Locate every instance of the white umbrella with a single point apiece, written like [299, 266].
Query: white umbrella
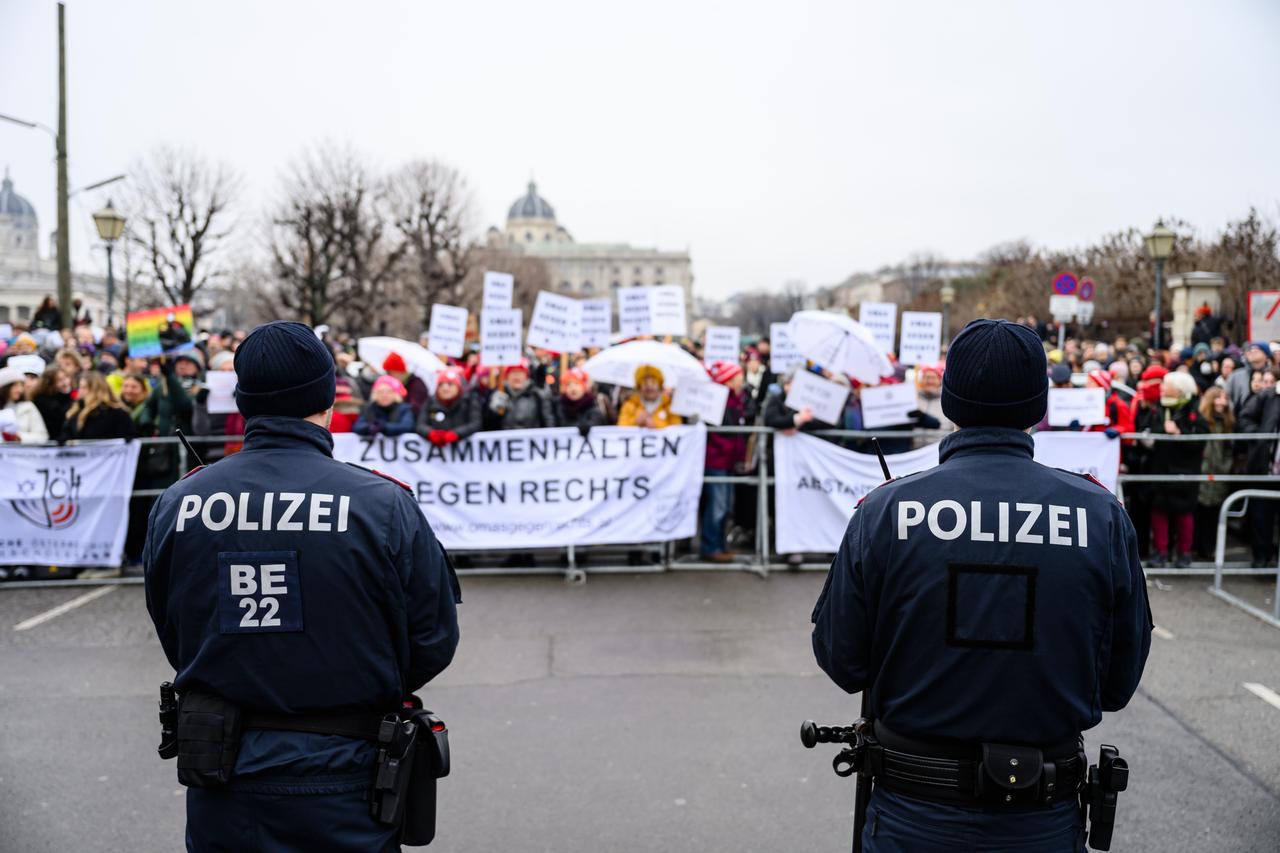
[420, 360]
[617, 365]
[839, 343]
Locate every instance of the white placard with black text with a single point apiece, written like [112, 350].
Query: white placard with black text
[887, 405]
[634, 315]
[597, 323]
[881, 319]
[921, 338]
[500, 337]
[447, 334]
[723, 344]
[556, 324]
[783, 355]
[821, 396]
[707, 400]
[666, 310]
[1085, 406]
[499, 288]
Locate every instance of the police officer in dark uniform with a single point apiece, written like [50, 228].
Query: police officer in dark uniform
[299, 599]
[993, 608]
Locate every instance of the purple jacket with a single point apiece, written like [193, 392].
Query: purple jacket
[725, 451]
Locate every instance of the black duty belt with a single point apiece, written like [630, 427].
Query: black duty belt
[983, 774]
[360, 725]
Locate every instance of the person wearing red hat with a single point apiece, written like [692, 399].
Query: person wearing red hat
[579, 405]
[451, 414]
[415, 390]
[726, 455]
[387, 412]
[519, 404]
[1138, 496]
[346, 407]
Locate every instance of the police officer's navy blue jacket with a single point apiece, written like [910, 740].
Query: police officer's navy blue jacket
[988, 599]
[289, 583]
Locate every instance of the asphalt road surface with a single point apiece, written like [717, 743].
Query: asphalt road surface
[635, 713]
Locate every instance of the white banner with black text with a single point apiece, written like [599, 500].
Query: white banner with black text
[819, 483]
[547, 488]
[65, 506]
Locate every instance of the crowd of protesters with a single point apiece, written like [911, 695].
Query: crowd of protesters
[85, 385]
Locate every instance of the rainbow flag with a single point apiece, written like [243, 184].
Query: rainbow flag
[160, 331]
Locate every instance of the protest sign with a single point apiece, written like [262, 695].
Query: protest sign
[880, 318]
[499, 287]
[819, 484]
[160, 331]
[634, 317]
[65, 506]
[222, 386]
[887, 405]
[1085, 406]
[500, 337]
[723, 344]
[447, 333]
[823, 397]
[6, 331]
[597, 323]
[705, 399]
[921, 338]
[556, 324]
[547, 488]
[783, 355]
[666, 310]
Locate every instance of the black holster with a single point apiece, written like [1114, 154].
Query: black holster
[208, 740]
[413, 752]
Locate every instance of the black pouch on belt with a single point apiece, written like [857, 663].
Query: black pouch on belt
[431, 762]
[208, 740]
[1010, 773]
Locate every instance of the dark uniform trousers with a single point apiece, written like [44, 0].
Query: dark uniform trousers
[988, 600]
[289, 583]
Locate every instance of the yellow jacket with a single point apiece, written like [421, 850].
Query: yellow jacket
[633, 409]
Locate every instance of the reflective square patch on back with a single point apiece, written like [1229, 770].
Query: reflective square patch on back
[259, 592]
[991, 606]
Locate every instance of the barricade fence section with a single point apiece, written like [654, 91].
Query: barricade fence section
[628, 500]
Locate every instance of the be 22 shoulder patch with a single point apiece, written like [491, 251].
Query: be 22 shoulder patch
[259, 592]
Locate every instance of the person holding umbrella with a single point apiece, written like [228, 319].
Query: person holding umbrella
[650, 405]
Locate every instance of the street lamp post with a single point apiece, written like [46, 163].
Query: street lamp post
[1159, 248]
[110, 226]
[948, 295]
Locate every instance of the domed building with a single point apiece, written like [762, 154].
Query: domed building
[586, 270]
[26, 278]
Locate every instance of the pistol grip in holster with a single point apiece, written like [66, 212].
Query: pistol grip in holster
[1107, 779]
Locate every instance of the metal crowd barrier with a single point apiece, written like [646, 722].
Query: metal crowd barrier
[1243, 496]
[568, 561]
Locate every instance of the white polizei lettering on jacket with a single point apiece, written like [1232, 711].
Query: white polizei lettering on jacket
[948, 520]
[319, 511]
[936, 529]
[344, 504]
[190, 508]
[978, 534]
[220, 510]
[228, 513]
[1059, 523]
[295, 500]
[242, 514]
[910, 513]
[1024, 532]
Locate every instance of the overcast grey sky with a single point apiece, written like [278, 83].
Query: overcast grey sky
[775, 141]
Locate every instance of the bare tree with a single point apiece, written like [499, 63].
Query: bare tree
[331, 256]
[431, 210]
[179, 211]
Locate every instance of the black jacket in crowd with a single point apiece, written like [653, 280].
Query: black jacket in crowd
[53, 408]
[1260, 413]
[583, 413]
[102, 422]
[528, 409]
[460, 415]
[1173, 457]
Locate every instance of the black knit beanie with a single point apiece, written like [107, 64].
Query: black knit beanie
[995, 376]
[282, 368]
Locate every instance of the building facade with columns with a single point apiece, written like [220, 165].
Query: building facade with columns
[26, 278]
[586, 270]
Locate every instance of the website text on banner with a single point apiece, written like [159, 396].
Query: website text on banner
[65, 506]
[819, 484]
[547, 488]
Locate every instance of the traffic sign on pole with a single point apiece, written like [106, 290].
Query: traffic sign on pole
[1087, 289]
[1065, 284]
